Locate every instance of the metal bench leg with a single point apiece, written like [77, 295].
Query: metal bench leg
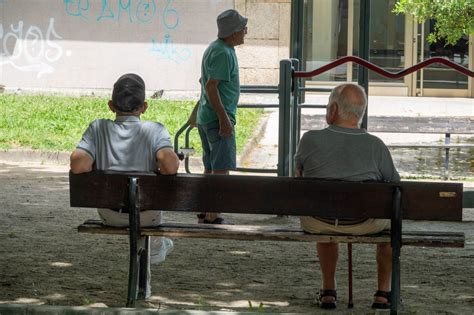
[350, 304]
[134, 220]
[144, 288]
[396, 242]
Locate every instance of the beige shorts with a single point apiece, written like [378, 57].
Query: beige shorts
[113, 218]
[370, 226]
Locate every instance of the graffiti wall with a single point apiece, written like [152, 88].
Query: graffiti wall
[87, 44]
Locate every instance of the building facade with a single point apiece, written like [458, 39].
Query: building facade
[82, 46]
[396, 42]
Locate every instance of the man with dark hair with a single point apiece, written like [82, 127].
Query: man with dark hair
[128, 144]
[220, 92]
[345, 151]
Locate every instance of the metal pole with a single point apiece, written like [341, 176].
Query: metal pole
[364, 49]
[447, 141]
[284, 117]
[396, 242]
[297, 36]
[294, 119]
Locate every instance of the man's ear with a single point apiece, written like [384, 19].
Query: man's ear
[331, 113]
[111, 106]
[144, 107]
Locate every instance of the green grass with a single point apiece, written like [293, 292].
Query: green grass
[56, 123]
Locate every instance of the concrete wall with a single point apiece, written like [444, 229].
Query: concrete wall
[84, 45]
[267, 42]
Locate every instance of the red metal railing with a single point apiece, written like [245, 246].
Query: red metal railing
[377, 69]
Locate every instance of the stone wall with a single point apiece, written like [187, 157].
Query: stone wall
[267, 41]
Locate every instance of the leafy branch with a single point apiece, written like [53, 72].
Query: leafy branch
[454, 18]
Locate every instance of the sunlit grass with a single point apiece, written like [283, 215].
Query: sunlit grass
[56, 123]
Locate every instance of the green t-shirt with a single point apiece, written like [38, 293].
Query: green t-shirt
[219, 62]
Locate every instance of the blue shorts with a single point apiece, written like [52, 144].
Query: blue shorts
[218, 153]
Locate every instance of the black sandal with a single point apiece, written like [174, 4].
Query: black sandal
[381, 305]
[327, 305]
[218, 220]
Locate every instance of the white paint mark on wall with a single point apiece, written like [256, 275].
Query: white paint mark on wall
[31, 50]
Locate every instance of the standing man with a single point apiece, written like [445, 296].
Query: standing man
[220, 91]
[344, 151]
[128, 144]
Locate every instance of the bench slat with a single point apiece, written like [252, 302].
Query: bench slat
[269, 195]
[275, 233]
[434, 145]
[402, 124]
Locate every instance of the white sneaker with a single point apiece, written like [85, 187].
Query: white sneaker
[159, 248]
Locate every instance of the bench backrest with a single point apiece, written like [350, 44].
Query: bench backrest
[268, 195]
[441, 125]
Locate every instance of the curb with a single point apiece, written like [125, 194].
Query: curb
[252, 142]
[35, 156]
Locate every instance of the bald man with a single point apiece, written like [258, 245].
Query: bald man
[344, 151]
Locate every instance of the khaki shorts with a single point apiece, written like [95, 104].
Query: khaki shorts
[113, 218]
[370, 226]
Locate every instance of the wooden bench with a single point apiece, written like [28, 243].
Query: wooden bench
[444, 126]
[265, 195]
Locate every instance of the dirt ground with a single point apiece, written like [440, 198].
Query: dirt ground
[44, 260]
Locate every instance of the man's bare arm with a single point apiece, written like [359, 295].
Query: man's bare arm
[298, 172]
[80, 162]
[167, 161]
[225, 126]
[192, 121]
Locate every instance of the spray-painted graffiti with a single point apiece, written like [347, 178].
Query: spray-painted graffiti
[30, 50]
[142, 11]
[135, 11]
[168, 51]
[170, 16]
[77, 7]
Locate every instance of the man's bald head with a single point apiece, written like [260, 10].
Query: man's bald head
[351, 101]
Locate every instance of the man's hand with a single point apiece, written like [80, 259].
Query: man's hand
[225, 127]
[192, 121]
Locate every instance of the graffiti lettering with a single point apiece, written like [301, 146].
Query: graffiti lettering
[125, 7]
[146, 10]
[170, 16]
[107, 12]
[167, 50]
[76, 7]
[33, 51]
[136, 11]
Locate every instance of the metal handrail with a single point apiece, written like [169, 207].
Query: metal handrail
[379, 70]
[256, 89]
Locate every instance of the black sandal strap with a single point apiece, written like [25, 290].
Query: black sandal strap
[383, 294]
[323, 293]
[201, 215]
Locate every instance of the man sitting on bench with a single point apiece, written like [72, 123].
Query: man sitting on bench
[345, 151]
[128, 144]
